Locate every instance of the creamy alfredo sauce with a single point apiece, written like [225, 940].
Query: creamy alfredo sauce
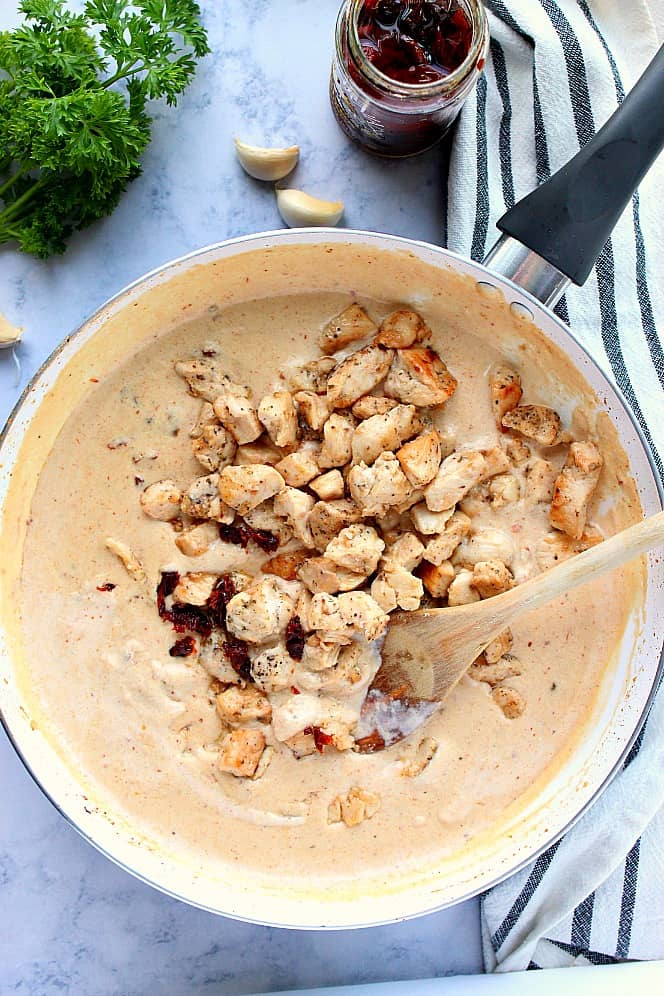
[142, 725]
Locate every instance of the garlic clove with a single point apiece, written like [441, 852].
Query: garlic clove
[267, 164]
[300, 210]
[9, 334]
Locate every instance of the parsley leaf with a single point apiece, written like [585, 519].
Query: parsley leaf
[74, 89]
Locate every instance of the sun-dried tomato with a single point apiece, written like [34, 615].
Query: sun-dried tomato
[167, 585]
[223, 591]
[295, 638]
[106, 587]
[243, 534]
[184, 647]
[321, 738]
[294, 690]
[238, 657]
[183, 617]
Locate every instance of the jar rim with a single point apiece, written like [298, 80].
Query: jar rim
[348, 21]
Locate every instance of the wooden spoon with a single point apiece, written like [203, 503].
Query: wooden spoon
[427, 652]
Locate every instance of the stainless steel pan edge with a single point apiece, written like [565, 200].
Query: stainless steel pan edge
[652, 487]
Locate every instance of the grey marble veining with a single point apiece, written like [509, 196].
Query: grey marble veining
[70, 921]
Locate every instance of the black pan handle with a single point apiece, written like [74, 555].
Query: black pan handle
[569, 218]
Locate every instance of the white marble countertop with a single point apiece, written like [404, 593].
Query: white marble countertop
[70, 921]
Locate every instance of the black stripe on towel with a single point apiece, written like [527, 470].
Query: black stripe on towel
[582, 922]
[505, 132]
[630, 883]
[518, 906]
[594, 957]
[482, 202]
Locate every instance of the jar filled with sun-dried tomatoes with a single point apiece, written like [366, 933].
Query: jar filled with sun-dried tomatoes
[403, 68]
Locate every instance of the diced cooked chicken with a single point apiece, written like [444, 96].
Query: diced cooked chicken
[461, 591]
[355, 667]
[496, 461]
[357, 548]
[437, 578]
[406, 552]
[312, 409]
[264, 517]
[501, 645]
[262, 451]
[418, 758]
[420, 458]
[517, 451]
[237, 705]
[241, 751]
[358, 374]
[195, 588]
[161, 500]
[286, 565]
[202, 501]
[536, 422]
[540, 479]
[324, 616]
[337, 441]
[273, 668]
[397, 588]
[212, 657]
[556, 547]
[402, 329]
[128, 558]
[296, 506]
[351, 325]
[418, 376]
[320, 654]
[427, 522]
[329, 486]
[486, 543]
[278, 414]
[504, 390]
[353, 808]
[458, 473]
[477, 501]
[509, 700]
[328, 518]
[205, 417]
[379, 433]
[442, 546]
[574, 488]
[239, 416]
[311, 376]
[320, 574]
[215, 447]
[243, 488]
[302, 745]
[360, 612]
[379, 487]
[205, 379]
[491, 577]
[504, 490]
[369, 405]
[261, 612]
[492, 674]
[300, 467]
[196, 541]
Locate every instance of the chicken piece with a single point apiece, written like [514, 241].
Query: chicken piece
[196, 541]
[337, 441]
[427, 522]
[324, 616]
[320, 654]
[406, 552]
[320, 574]
[369, 405]
[195, 588]
[361, 613]
[296, 506]
[477, 501]
[239, 416]
[128, 559]
[441, 547]
[397, 588]
[504, 390]
[418, 376]
[202, 501]
[574, 488]
[458, 473]
[357, 548]
[161, 500]
[264, 517]
[328, 518]
[418, 759]
[261, 612]
[311, 376]
[262, 451]
[380, 487]
[437, 578]
[486, 543]
[379, 433]
[278, 414]
[461, 591]
[495, 462]
[493, 674]
[205, 417]
[517, 451]
[241, 751]
[556, 547]
[300, 467]
[286, 565]
[402, 329]
[355, 667]
[329, 486]
[215, 448]
[353, 808]
[206, 380]
[536, 422]
[243, 488]
[509, 700]
[302, 745]
[358, 374]
[351, 325]
[420, 458]
[212, 657]
[501, 645]
[312, 409]
[237, 705]
[504, 490]
[273, 668]
[540, 480]
[491, 577]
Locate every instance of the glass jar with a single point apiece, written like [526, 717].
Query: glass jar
[394, 118]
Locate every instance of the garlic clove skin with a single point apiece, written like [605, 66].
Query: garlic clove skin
[300, 210]
[266, 164]
[10, 335]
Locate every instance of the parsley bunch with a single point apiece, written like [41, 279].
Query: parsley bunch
[73, 96]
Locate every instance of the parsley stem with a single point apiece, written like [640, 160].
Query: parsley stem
[122, 74]
[11, 210]
[21, 171]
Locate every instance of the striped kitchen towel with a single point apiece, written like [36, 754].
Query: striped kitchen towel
[556, 71]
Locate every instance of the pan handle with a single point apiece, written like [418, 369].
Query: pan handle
[555, 234]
